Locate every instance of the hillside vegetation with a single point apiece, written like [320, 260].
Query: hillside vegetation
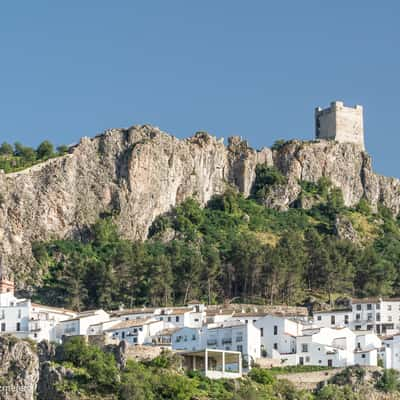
[234, 248]
[17, 157]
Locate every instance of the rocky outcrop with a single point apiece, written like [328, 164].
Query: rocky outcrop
[19, 369]
[139, 173]
[344, 229]
[51, 377]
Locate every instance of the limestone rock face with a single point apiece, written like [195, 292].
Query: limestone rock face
[139, 173]
[347, 167]
[50, 377]
[19, 369]
[345, 230]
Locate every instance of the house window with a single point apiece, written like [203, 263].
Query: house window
[276, 346]
[369, 316]
[358, 317]
[239, 347]
[246, 321]
[35, 335]
[261, 332]
[275, 329]
[378, 306]
[346, 319]
[358, 307]
[193, 337]
[389, 307]
[3, 326]
[169, 319]
[177, 319]
[332, 320]
[254, 321]
[369, 327]
[304, 348]
[362, 355]
[3, 314]
[239, 338]
[123, 335]
[378, 316]
[369, 306]
[389, 318]
[307, 359]
[319, 318]
[18, 326]
[358, 327]
[161, 318]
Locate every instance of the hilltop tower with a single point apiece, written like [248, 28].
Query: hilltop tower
[340, 123]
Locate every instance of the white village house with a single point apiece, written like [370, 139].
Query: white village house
[228, 335]
[135, 331]
[25, 319]
[80, 324]
[195, 330]
[278, 335]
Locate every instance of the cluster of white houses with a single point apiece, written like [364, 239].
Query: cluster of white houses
[219, 339]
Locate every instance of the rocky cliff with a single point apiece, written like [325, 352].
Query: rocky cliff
[19, 369]
[138, 173]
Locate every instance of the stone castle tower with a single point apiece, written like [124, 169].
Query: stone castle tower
[340, 123]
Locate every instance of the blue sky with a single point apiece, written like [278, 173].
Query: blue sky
[252, 68]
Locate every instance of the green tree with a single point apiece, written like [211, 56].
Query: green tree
[26, 153]
[62, 149]
[333, 392]
[6, 149]
[45, 150]
[388, 381]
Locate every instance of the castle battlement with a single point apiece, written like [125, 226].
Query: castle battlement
[341, 123]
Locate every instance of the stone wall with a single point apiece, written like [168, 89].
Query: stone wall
[140, 353]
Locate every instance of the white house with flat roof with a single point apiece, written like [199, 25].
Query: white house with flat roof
[214, 364]
[333, 318]
[228, 335]
[382, 315]
[338, 347]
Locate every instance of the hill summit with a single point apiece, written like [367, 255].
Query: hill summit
[136, 174]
